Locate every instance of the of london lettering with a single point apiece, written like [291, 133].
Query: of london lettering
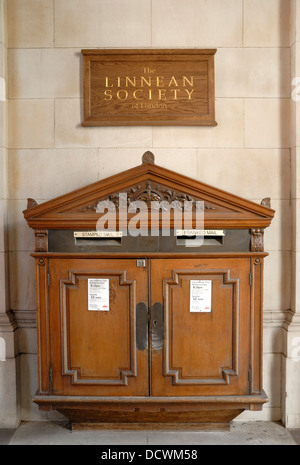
[150, 90]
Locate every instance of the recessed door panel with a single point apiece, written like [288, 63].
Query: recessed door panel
[205, 348]
[95, 352]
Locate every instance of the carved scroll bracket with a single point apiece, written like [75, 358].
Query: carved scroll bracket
[257, 240]
[41, 241]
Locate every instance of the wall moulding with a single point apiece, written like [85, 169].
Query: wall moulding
[7, 322]
[275, 318]
[292, 321]
[25, 318]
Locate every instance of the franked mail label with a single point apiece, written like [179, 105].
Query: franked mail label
[98, 295]
[200, 232]
[200, 296]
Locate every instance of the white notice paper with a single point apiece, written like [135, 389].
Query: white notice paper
[98, 292]
[200, 296]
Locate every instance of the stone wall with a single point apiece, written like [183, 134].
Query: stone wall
[9, 403]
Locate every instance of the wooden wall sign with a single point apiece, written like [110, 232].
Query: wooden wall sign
[149, 87]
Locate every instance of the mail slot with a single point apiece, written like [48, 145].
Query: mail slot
[154, 326]
[62, 241]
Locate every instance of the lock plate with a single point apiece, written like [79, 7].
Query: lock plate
[157, 326]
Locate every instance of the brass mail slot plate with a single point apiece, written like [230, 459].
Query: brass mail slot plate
[149, 87]
[97, 234]
[200, 232]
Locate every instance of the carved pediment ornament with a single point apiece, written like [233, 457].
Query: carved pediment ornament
[148, 157]
[31, 203]
[152, 192]
[266, 202]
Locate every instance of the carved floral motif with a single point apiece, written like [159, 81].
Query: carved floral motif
[151, 193]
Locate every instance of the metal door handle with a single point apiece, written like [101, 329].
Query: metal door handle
[141, 326]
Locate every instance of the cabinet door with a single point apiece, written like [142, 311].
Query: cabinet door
[95, 348]
[200, 347]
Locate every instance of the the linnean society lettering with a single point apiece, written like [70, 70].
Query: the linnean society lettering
[150, 90]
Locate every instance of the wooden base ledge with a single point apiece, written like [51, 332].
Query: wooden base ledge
[135, 413]
[152, 426]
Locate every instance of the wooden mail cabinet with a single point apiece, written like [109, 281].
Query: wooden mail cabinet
[155, 330]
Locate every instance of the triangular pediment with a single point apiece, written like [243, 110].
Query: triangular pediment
[147, 183]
